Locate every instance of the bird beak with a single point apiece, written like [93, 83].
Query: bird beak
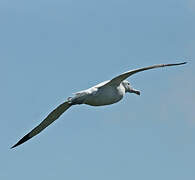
[135, 91]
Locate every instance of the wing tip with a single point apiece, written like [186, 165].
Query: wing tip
[21, 141]
[185, 62]
[176, 64]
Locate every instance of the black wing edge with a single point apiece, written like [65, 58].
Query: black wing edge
[21, 141]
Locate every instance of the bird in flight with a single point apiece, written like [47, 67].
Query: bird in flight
[105, 93]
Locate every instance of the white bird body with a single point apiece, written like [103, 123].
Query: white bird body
[105, 93]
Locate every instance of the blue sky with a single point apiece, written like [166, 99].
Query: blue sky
[50, 49]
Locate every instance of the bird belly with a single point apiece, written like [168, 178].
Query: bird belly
[105, 96]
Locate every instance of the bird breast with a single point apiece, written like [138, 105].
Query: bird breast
[105, 96]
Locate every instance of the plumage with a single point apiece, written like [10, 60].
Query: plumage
[105, 93]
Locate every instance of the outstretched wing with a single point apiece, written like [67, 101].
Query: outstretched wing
[118, 79]
[55, 114]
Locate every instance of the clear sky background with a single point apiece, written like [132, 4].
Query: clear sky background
[52, 48]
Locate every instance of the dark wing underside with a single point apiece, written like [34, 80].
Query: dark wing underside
[118, 79]
[55, 114]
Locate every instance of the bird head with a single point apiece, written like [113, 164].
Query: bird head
[128, 88]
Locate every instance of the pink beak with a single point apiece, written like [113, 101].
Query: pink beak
[135, 91]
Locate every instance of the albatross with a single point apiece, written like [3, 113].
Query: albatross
[105, 93]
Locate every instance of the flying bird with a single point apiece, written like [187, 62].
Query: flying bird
[105, 93]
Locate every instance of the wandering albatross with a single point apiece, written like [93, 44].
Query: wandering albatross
[105, 93]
